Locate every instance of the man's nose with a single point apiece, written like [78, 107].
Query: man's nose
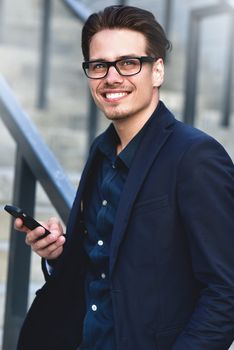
[113, 75]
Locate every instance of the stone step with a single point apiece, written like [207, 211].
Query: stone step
[66, 79]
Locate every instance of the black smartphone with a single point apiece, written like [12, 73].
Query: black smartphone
[28, 221]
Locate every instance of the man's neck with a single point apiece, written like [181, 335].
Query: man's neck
[129, 127]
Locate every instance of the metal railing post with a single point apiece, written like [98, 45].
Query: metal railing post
[192, 70]
[192, 61]
[45, 55]
[19, 258]
[167, 17]
[228, 81]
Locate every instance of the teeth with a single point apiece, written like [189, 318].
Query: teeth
[114, 95]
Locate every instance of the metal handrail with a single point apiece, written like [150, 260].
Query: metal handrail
[78, 9]
[34, 163]
[40, 159]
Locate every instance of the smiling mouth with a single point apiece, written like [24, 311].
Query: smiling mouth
[112, 96]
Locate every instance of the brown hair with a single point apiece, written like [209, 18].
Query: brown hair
[127, 17]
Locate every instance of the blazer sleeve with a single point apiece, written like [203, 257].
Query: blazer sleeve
[206, 204]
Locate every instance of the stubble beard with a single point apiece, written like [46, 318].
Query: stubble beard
[117, 114]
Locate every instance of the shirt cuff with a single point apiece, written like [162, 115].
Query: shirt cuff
[49, 268]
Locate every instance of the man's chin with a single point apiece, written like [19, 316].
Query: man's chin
[116, 115]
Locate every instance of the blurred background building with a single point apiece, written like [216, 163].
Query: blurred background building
[40, 59]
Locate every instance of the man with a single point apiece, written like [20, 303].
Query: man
[148, 259]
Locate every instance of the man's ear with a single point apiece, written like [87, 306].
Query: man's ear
[158, 73]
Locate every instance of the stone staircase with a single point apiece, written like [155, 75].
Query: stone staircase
[63, 125]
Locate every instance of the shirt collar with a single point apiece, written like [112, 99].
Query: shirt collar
[109, 143]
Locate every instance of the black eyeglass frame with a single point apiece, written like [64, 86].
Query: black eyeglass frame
[142, 59]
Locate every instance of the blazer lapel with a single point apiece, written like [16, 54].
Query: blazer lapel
[156, 136]
[78, 201]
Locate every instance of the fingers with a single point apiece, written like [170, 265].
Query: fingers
[19, 225]
[34, 235]
[49, 247]
[54, 226]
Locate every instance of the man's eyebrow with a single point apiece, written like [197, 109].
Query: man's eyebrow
[97, 60]
[129, 56]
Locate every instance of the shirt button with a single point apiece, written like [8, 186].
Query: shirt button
[94, 307]
[103, 276]
[104, 202]
[113, 166]
[100, 242]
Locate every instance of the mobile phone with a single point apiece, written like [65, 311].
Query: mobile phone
[28, 221]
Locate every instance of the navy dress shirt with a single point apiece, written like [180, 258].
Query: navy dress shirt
[100, 205]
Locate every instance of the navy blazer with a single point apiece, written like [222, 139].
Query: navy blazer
[172, 251]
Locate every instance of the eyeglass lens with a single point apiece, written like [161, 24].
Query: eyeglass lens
[128, 66]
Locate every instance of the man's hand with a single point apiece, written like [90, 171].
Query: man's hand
[49, 247]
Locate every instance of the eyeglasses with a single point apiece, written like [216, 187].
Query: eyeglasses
[126, 66]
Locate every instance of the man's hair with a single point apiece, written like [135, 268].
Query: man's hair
[127, 17]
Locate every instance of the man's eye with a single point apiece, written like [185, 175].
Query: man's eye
[129, 62]
[98, 66]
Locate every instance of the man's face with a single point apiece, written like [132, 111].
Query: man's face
[121, 97]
